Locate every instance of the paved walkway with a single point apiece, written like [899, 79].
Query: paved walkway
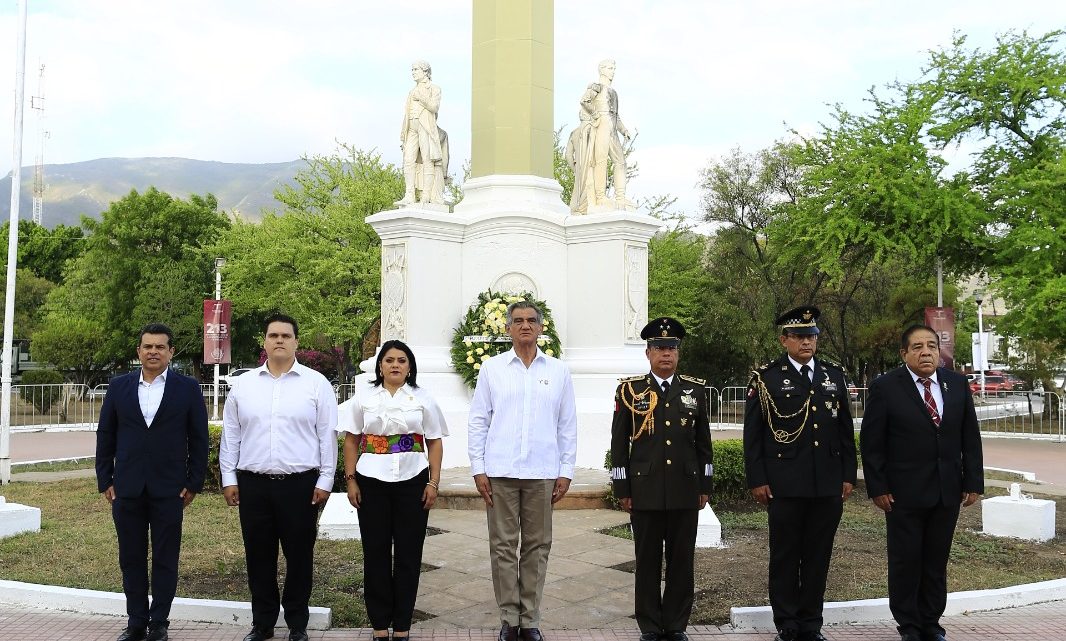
[585, 587]
[1044, 622]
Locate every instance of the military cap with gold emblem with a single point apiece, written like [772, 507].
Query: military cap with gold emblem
[663, 332]
[801, 320]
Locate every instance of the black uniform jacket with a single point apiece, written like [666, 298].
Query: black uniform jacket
[669, 463]
[905, 454]
[798, 435]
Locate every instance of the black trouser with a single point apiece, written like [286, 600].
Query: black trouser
[279, 511]
[134, 517]
[801, 544]
[652, 530]
[392, 524]
[919, 543]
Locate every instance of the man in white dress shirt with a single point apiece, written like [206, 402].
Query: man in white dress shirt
[522, 441]
[277, 457]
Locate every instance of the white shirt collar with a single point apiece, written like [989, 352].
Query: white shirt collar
[917, 379]
[162, 375]
[660, 380]
[799, 366]
[296, 368]
[514, 355]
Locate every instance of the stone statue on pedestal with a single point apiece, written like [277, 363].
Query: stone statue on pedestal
[424, 144]
[595, 141]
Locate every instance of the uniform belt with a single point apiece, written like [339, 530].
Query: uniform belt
[277, 477]
[391, 443]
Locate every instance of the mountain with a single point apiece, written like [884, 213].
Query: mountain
[89, 187]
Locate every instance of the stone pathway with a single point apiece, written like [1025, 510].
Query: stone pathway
[1043, 622]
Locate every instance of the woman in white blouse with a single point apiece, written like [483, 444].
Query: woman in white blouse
[392, 457]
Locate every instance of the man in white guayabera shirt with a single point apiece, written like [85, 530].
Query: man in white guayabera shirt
[522, 445]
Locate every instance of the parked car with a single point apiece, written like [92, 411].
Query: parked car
[227, 380]
[994, 384]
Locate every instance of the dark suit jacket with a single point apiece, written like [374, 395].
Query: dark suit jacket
[906, 455]
[670, 468]
[163, 459]
[821, 458]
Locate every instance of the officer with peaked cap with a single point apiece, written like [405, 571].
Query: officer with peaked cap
[661, 474]
[799, 458]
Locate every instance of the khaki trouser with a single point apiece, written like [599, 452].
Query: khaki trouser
[521, 509]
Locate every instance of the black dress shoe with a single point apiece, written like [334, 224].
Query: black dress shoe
[297, 635]
[508, 632]
[788, 634]
[157, 631]
[649, 636]
[676, 636]
[133, 634]
[530, 634]
[260, 634]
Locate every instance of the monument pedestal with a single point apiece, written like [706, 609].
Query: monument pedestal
[514, 234]
[1018, 517]
[16, 518]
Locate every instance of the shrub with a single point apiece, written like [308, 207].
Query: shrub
[42, 398]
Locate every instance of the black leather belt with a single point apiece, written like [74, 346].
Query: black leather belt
[277, 477]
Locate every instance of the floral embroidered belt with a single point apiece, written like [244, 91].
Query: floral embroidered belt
[393, 444]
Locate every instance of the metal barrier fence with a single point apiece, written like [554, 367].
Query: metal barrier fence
[54, 405]
[1022, 413]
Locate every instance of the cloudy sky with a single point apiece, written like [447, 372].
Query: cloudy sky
[269, 81]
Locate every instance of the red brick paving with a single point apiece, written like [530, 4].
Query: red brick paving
[1043, 622]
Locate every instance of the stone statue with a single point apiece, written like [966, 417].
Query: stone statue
[592, 143]
[424, 144]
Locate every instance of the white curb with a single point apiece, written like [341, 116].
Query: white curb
[875, 610]
[51, 597]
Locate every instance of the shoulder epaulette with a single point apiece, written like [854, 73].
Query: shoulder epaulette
[631, 379]
[692, 379]
[831, 364]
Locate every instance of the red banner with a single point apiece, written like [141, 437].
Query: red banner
[942, 320]
[217, 331]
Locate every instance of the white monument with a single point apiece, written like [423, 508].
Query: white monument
[424, 144]
[512, 233]
[16, 518]
[1018, 516]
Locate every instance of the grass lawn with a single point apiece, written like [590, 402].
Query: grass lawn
[76, 547]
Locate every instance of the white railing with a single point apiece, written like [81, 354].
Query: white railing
[43, 406]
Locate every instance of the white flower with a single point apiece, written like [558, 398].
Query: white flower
[477, 366]
[484, 358]
[542, 342]
[550, 352]
[545, 323]
[469, 359]
[466, 342]
[480, 351]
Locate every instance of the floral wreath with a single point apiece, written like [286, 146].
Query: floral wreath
[482, 333]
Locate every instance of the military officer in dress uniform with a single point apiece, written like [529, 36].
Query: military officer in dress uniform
[799, 457]
[661, 458]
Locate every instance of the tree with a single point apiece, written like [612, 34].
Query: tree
[31, 291]
[45, 252]
[143, 261]
[72, 344]
[876, 182]
[318, 260]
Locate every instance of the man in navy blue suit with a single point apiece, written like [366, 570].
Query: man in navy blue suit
[921, 453]
[151, 458]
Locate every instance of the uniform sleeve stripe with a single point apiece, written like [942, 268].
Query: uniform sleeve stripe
[618, 473]
[708, 470]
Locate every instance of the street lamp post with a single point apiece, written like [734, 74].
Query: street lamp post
[219, 262]
[979, 297]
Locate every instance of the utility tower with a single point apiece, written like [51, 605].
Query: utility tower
[37, 102]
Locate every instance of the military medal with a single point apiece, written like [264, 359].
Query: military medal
[688, 401]
[684, 422]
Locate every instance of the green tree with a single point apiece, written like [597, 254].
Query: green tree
[45, 252]
[72, 344]
[144, 261]
[317, 260]
[31, 291]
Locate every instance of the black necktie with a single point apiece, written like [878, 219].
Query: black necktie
[666, 387]
[806, 371]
